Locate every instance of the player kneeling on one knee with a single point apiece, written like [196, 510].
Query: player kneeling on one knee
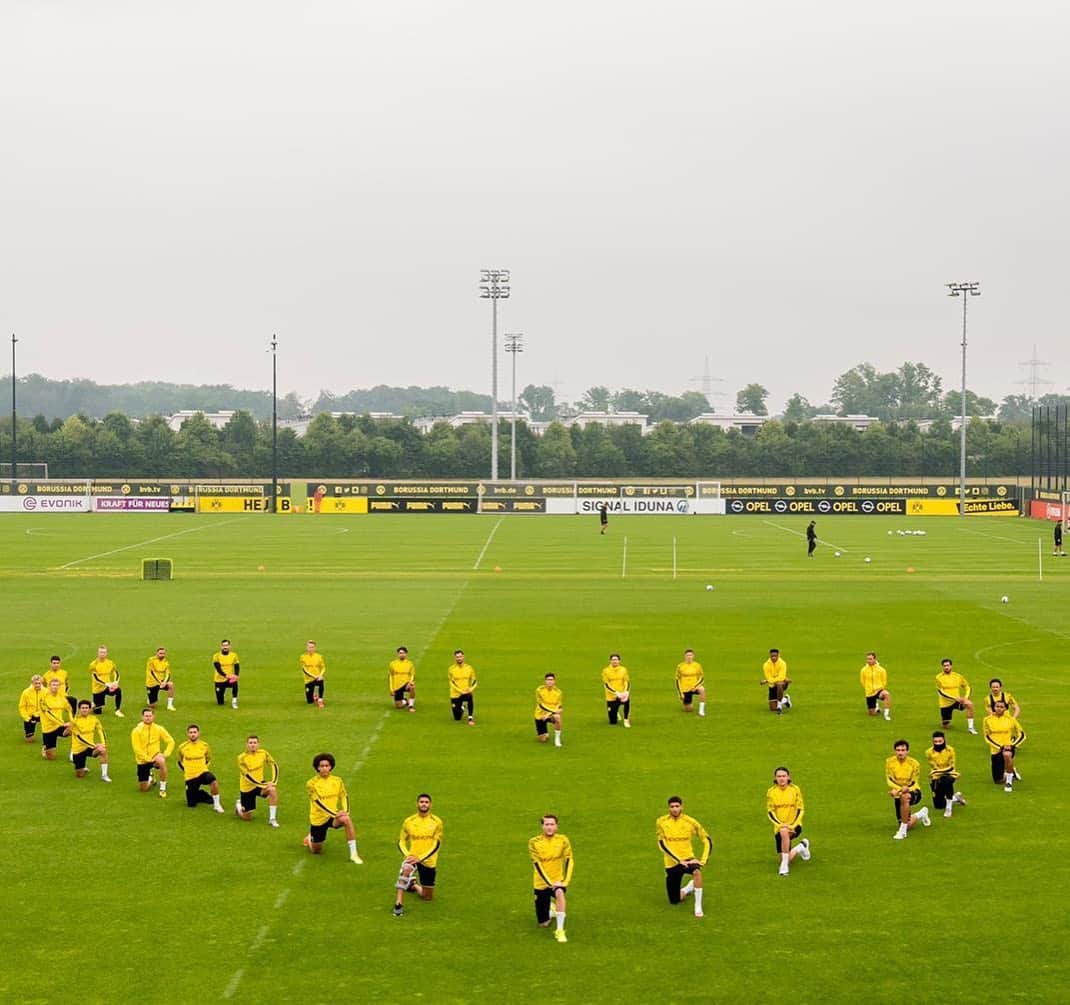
[258, 772]
[675, 831]
[548, 707]
[902, 773]
[328, 808]
[419, 841]
[784, 807]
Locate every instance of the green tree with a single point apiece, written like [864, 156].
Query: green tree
[798, 408]
[555, 456]
[539, 402]
[751, 399]
[596, 399]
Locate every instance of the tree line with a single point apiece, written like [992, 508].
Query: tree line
[362, 447]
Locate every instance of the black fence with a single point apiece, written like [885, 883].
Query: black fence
[1051, 449]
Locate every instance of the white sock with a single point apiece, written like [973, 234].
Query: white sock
[947, 809]
[163, 786]
[902, 828]
[561, 921]
[1008, 778]
[785, 858]
[216, 802]
[698, 899]
[170, 704]
[272, 812]
[688, 889]
[352, 846]
[103, 771]
[969, 723]
[412, 703]
[557, 738]
[701, 708]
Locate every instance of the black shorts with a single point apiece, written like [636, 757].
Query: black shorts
[153, 693]
[49, 740]
[426, 874]
[542, 726]
[687, 697]
[143, 771]
[945, 713]
[543, 900]
[794, 834]
[773, 696]
[680, 870]
[318, 832]
[871, 701]
[248, 799]
[401, 693]
[80, 758]
[915, 798]
[204, 778]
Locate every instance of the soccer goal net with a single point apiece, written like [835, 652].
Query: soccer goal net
[157, 568]
[28, 470]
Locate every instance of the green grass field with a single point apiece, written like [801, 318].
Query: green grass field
[115, 896]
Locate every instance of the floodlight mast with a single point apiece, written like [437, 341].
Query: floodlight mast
[274, 424]
[514, 343]
[964, 290]
[14, 451]
[494, 286]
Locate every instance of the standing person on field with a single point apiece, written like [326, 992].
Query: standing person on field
[258, 773]
[996, 693]
[313, 670]
[152, 746]
[401, 680]
[55, 670]
[55, 718]
[784, 807]
[88, 740]
[419, 844]
[227, 669]
[675, 833]
[811, 539]
[463, 682]
[549, 703]
[943, 774]
[953, 693]
[775, 677]
[690, 683]
[617, 683]
[194, 757]
[328, 808]
[603, 516]
[30, 706]
[1004, 735]
[1059, 539]
[552, 862]
[902, 773]
[104, 678]
[158, 678]
[874, 680]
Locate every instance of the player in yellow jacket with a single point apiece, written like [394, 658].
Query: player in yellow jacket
[675, 833]
[1004, 735]
[943, 774]
[401, 680]
[152, 746]
[463, 682]
[549, 703]
[30, 706]
[328, 808]
[194, 758]
[617, 683]
[104, 681]
[902, 773]
[313, 670]
[690, 682]
[996, 693]
[953, 694]
[227, 668]
[55, 670]
[775, 677]
[552, 862]
[258, 774]
[784, 808]
[88, 740]
[874, 680]
[158, 678]
[55, 718]
[419, 844]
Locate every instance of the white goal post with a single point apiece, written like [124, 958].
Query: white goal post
[35, 471]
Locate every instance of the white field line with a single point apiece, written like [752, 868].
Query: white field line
[490, 537]
[151, 540]
[820, 540]
[979, 655]
[236, 979]
[995, 537]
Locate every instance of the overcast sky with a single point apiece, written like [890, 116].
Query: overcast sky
[781, 187]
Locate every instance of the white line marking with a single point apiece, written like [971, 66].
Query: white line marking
[259, 940]
[281, 899]
[233, 985]
[1019, 673]
[820, 540]
[151, 540]
[299, 867]
[995, 537]
[490, 537]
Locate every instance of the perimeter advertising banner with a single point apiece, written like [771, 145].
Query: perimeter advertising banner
[815, 507]
[46, 504]
[834, 490]
[131, 504]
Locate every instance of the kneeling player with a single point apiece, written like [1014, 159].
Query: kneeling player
[30, 706]
[902, 773]
[55, 713]
[943, 774]
[419, 842]
[194, 756]
[226, 667]
[551, 857]
[401, 680]
[1004, 735]
[328, 808]
[258, 773]
[313, 670]
[784, 807]
[874, 680]
[689, 682]
[775, 678]
[88, 740]
[675, 831]
[548, 706]
[152, 746]
[158, 678]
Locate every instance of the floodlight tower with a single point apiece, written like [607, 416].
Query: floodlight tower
[14, 452]
[964, 290]
[274, 424]
[514, 343]
[494, 286]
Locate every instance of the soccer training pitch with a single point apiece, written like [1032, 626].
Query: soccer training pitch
[113, 895]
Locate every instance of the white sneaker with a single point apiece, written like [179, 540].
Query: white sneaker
[1017, 777]
[804, 849]
[787, 701]
[1008, 787]
[783, 870]
[899, 835]
[959, 798]
[687, 890]
[973, 732]
[273, 823]
[219, 809]
[923, 816]
[698, 913]
[627, 724]
[947, 810]
[702, 715]
[237, 808]
[887, 716]
[119, 715]
[233, 702]
[170, 707]
[105, 778]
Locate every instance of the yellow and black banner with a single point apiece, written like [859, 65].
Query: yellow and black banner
[514, 506]
[233, 504]
[422, 505]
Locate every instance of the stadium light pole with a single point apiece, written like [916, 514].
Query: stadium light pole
[14, 452]
[964, 290]
[514, 343]
[494, 286]
[274, 424]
